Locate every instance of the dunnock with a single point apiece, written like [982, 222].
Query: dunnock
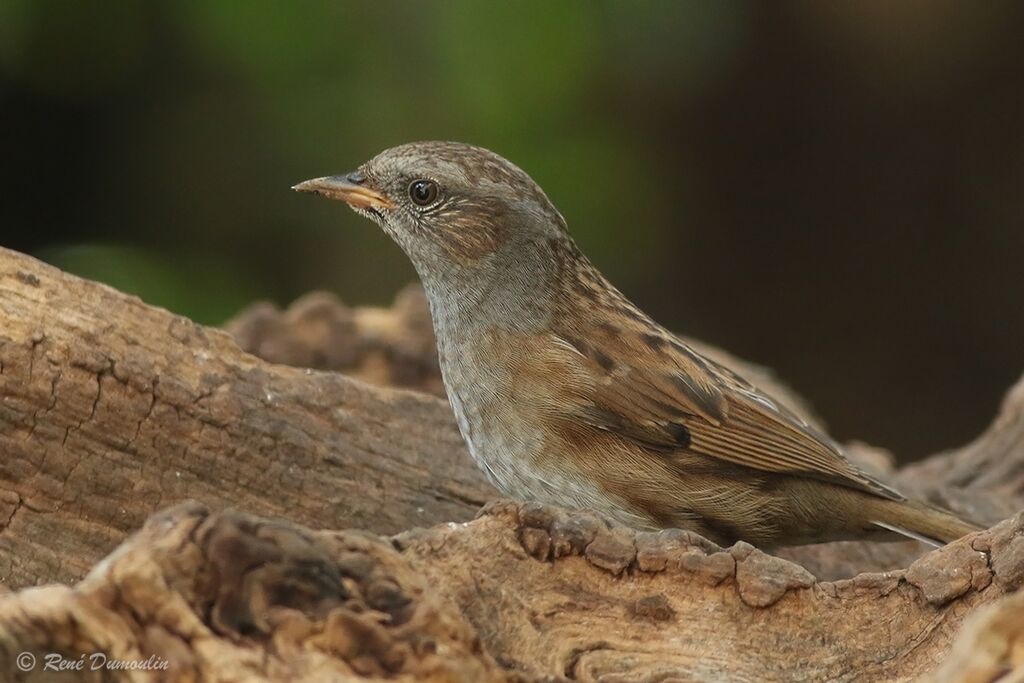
[567, 393]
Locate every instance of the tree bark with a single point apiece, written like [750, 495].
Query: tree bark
[525, 593]
[111, 410]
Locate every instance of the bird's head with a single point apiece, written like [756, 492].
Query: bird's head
[448, 205]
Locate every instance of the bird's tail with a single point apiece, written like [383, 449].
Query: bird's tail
[920, 521]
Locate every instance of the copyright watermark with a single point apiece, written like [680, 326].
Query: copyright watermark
[97, 661]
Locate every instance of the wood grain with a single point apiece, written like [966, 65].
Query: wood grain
[112, 410]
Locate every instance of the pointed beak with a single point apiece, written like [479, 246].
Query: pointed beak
[350, 189]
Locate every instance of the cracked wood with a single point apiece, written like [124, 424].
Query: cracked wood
[112, 409]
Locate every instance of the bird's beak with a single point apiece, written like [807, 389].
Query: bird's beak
[356, 195]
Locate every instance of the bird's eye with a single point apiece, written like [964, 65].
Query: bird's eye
[423, 192]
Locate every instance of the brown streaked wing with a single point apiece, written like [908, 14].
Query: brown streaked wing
[681, 401]
[758, 435]
[645, 402]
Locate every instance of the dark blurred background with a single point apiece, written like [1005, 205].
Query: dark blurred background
[833, 189]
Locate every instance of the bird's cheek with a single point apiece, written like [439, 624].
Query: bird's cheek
[468, 241]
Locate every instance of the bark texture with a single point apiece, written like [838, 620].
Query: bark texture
[111, 410]
[525, 592]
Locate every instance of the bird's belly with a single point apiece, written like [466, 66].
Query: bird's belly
[515, 455]
[502, 445]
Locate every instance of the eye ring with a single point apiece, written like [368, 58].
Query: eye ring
[423, 192]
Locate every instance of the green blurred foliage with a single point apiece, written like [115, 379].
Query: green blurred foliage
[213, 109]
[785, 179]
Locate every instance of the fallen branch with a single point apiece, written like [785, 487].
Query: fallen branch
[524, 590]
[111, 409]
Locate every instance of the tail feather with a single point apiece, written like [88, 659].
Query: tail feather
[910, 534]
[919, 521]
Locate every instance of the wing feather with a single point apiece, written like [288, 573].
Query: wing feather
[670, 399]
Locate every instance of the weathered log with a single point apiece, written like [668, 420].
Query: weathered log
[228, 597]
[392, 346]
[111, 410]
[524, 591]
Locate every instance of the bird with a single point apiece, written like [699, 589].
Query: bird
[568, 394]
